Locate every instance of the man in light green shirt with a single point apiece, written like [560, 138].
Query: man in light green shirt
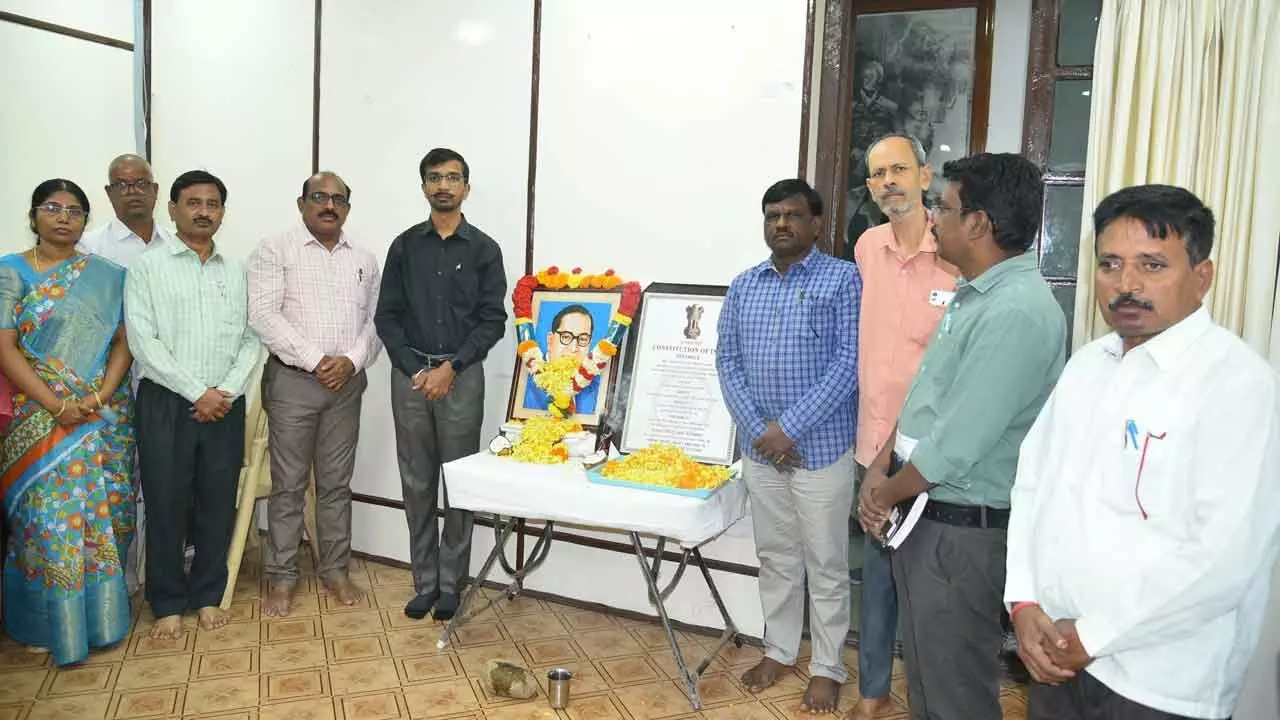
[990, 367]
[186, 317]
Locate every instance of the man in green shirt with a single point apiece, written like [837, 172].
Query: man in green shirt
[187, 319]
[988, 370]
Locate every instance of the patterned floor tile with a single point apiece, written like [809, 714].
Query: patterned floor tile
[314, 709]
[148, 702]
[206, 697]
[364, 647]
[73, 707]
[292, 655]
[364, 676]
[428, 668]
[378, 706]
[441, 699]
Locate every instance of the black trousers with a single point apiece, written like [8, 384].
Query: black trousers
[183, 460]
[1084, 697]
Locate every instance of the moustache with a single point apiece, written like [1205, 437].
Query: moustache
[202, 221]
[1129, 299]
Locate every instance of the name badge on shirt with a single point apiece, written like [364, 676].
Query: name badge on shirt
[941, 298]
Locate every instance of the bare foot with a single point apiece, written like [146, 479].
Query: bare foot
[868, 708]
[347, 592]
[279, 600]
[822, 695]
[764, 674]
[168, 627]
[212, 618]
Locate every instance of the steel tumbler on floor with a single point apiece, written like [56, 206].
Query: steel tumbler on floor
[558, 688]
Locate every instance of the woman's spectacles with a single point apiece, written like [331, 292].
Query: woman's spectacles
[55, 209]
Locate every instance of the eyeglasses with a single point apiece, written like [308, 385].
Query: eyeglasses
[452, 178]
[323, 198]
[567, 338]
[140, 186]
[73, 212]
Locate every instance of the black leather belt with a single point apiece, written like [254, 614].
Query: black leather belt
[430, 361]
[295, 368]
[974, 516]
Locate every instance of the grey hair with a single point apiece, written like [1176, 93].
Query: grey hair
[127, 159]
[917, 148]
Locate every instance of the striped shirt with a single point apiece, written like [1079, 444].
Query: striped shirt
[788, 352]
[306, 301]
[187, 321]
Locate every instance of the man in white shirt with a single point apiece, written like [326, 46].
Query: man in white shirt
[312, 294]
[132, 190]
[1147, 500]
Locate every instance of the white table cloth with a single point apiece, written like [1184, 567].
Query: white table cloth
[562, 493]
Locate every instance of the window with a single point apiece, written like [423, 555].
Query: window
[1056, 131]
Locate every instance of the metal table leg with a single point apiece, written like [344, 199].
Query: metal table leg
[501, 533]
[658, 598]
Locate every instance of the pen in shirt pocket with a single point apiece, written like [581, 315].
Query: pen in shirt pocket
[360, 275]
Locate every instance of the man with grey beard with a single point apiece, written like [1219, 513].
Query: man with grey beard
[905, 290]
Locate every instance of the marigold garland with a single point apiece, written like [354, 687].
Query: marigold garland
[542, 441]
[564, 378]
[666, 466]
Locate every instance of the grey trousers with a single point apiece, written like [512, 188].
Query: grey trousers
[950, 583]
[430, 433]
[310, 427]
[1083, 697]
[801, 523]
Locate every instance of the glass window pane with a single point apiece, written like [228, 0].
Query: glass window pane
[1066, 297]
[1060, 241]
[1077, 31]
[1070, 136]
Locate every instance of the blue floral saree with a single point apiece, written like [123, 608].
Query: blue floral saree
[68, 493]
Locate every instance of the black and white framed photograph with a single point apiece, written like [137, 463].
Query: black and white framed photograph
[922, 68]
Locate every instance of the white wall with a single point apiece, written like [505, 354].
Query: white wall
[386, 98]
[109, 18]
[231, 94]
[67, 108]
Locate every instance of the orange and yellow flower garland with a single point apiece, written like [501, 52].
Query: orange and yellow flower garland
[564, 378]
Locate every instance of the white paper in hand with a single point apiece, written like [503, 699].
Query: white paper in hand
[902, 519]
[903, 516]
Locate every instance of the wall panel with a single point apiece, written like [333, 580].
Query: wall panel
[67, 111]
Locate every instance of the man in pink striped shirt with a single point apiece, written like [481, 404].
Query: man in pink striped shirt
[312, 294]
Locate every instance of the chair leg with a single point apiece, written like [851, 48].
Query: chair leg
[239, 537]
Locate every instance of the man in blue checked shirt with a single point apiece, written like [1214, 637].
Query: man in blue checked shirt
[787, 360]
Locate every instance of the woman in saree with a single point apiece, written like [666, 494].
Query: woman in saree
[67, 462]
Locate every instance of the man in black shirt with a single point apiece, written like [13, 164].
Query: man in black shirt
[439, 313]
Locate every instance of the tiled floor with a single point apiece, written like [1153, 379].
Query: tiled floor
[371, 662]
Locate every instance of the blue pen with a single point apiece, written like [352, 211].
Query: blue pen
[1131, 432]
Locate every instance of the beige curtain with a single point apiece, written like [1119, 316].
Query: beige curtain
[1187, 92]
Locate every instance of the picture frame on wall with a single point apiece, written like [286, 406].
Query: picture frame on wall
[920, 67]
[568, 322]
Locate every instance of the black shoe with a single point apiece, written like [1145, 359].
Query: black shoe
[446, 606]
[420, 605]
